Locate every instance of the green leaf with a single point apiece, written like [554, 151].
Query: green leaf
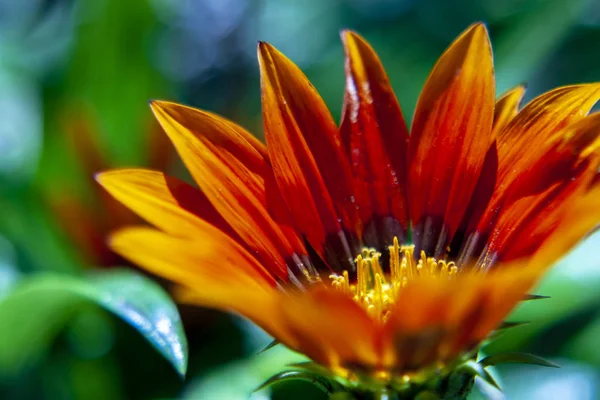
[54, 298]
[503, 328]
[316, 379]
[272, 344]
[511, 324]
[573, 381]
[238, 380]
[515, 357]
[532, 36]
[477, 369]
[535, 297]
[572, 285]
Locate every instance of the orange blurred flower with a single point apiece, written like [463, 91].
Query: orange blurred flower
[376, 253]
[87, 219]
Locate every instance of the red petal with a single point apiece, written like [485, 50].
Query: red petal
[506, 109]
[567, 169]
[450, 137]
[376, 140]
[231, 169]
[581, 218]
[530, 135]
[307, 156]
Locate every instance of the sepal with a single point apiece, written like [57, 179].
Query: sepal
[516, 357]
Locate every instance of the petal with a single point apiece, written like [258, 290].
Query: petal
[160, 154]
[230, 167]
[467, 243]
[84, 140]
[214, 270]
[506, 108]
[85, 228]
[376, 139]
[306, 152]
[331, 328]
[450, 137]
[573, 163]
[581, 218]
[538, 126]
[436, 320]
[166, 202]
[211, 256]
[530, 135]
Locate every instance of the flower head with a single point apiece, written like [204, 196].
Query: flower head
[87, 221]
[381, 255]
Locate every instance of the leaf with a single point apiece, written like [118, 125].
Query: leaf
[532, 37]
[511, 324]
[341, 396]
[319, 381]
[52, 299]
[535, 297]
[311, 366]
[272, 344]
[502, 329]
[515, 357]
[572, 285]
[238, 380]
[9, 275]
[574, 381]
[477, 369]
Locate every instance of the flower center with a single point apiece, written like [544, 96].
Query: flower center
[377, 291]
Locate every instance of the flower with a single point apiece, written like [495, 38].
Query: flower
[384, 257]
[87, 221]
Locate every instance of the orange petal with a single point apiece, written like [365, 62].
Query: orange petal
[507, 107]
[576, 158]
[331, 328]
[581, 218]
[469, 243]
[230, 168]
[435, 320]
[538, 197]
[307, 156]
[450, 137]
[214, 270]
[531, 134]
[210, 260]
[538, 126]
[83, 225]
[376, 139]
[166, 202]
[83, 136]
[514, 218]
[160, 154]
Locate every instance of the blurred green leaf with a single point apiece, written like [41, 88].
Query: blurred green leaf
[572, 286]
[573, 381]
[9, 275]
[293, 375]
[112, 68]
[515, 357]
[39, 307]
[584, 346]
[530, 38]
[238, 380]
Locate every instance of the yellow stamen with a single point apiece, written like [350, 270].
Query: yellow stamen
[377, 291]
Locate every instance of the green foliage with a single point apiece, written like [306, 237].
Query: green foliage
[33, 313]
[237, 381]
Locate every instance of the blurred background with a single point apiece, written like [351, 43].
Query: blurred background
[75, 80]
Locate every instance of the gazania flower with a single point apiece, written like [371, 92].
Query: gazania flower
[385, 257]
[87, 221]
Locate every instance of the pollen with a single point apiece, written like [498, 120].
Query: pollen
[376, 290]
